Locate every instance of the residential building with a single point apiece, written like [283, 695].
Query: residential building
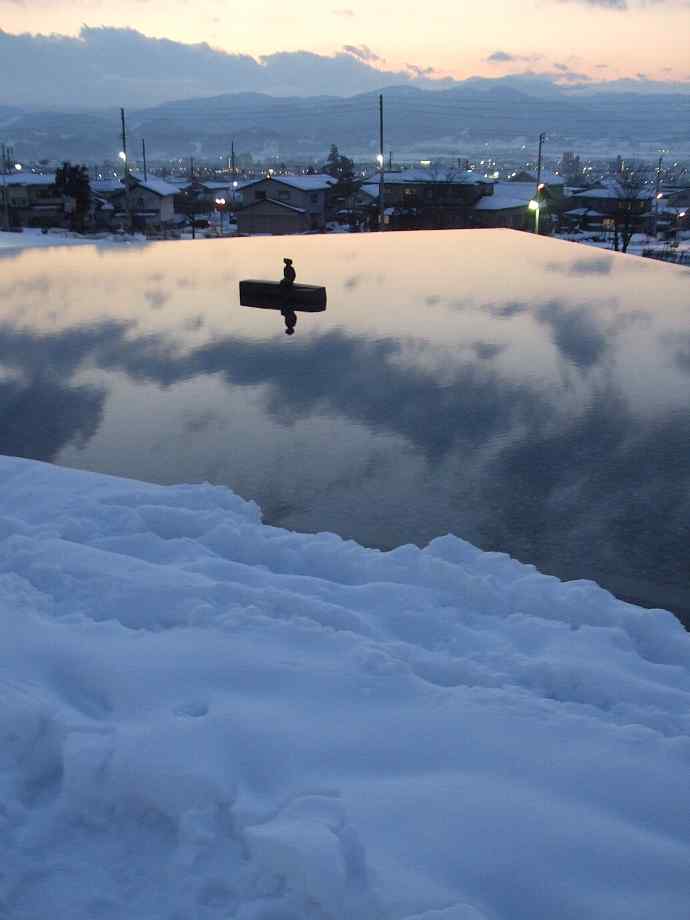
[269, 216]
[608, 197]
[423, 198]
[570, 166]
[33, 200]
[150, 201]
[506, 206]
[308, 194]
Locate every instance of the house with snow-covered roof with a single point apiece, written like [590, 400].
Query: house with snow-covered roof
[427, 198]
[268, 216]
[616, 201]
[150, 200]
[506, 206]
[304, 193]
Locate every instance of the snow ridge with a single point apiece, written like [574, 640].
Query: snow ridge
[206, 717]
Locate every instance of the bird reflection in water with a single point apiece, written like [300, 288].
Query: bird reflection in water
[287, 296]
[290, 318]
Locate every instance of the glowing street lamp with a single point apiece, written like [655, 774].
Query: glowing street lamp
[18, 167]
[535, 206]
[123, 156]
[220, 204]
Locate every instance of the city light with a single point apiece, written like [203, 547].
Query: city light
[533, 205]
[18, 167]
[379, 160]
[220, 202]
[122, 155]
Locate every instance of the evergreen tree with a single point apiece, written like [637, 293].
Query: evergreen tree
[342, 169]
[73, 183]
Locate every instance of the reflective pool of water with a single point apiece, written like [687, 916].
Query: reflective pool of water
[529, 395]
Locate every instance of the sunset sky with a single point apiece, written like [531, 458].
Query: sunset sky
[600, 39]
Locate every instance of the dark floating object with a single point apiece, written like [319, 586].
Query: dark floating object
[274, 295]
[285, 296]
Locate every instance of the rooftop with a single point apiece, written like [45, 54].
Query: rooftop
[426, 176]
[27, 178]
[507, 195]
[157, 186]
[304, 183]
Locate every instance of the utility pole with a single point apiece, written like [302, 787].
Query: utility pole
[125, 166]
[126, 171]
[657, 184]
[232, 159]
[390, 160]
[5, 192]
[191, 169]
[143, 153]
[381, 165]
[542, 138]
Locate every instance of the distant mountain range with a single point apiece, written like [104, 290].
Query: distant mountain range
[456, 118]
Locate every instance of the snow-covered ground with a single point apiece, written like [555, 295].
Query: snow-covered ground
[640, 244]
[206, 718]
[31, 237]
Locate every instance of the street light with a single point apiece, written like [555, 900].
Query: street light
[535, 206]
[220, 204]
[540, 184]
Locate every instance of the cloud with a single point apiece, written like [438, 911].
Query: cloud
[108, 67]
[420, 71]
[622, 5]
[362, 52]
[104, 66]
[499, 57]
[345, 13]
[606, 4]
[505, 57]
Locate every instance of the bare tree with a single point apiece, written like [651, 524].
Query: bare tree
[632, 200]
[443, 176]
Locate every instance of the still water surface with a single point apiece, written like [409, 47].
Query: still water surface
[529, 395]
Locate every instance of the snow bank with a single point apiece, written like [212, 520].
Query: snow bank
[205, 717]
[30, 238]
